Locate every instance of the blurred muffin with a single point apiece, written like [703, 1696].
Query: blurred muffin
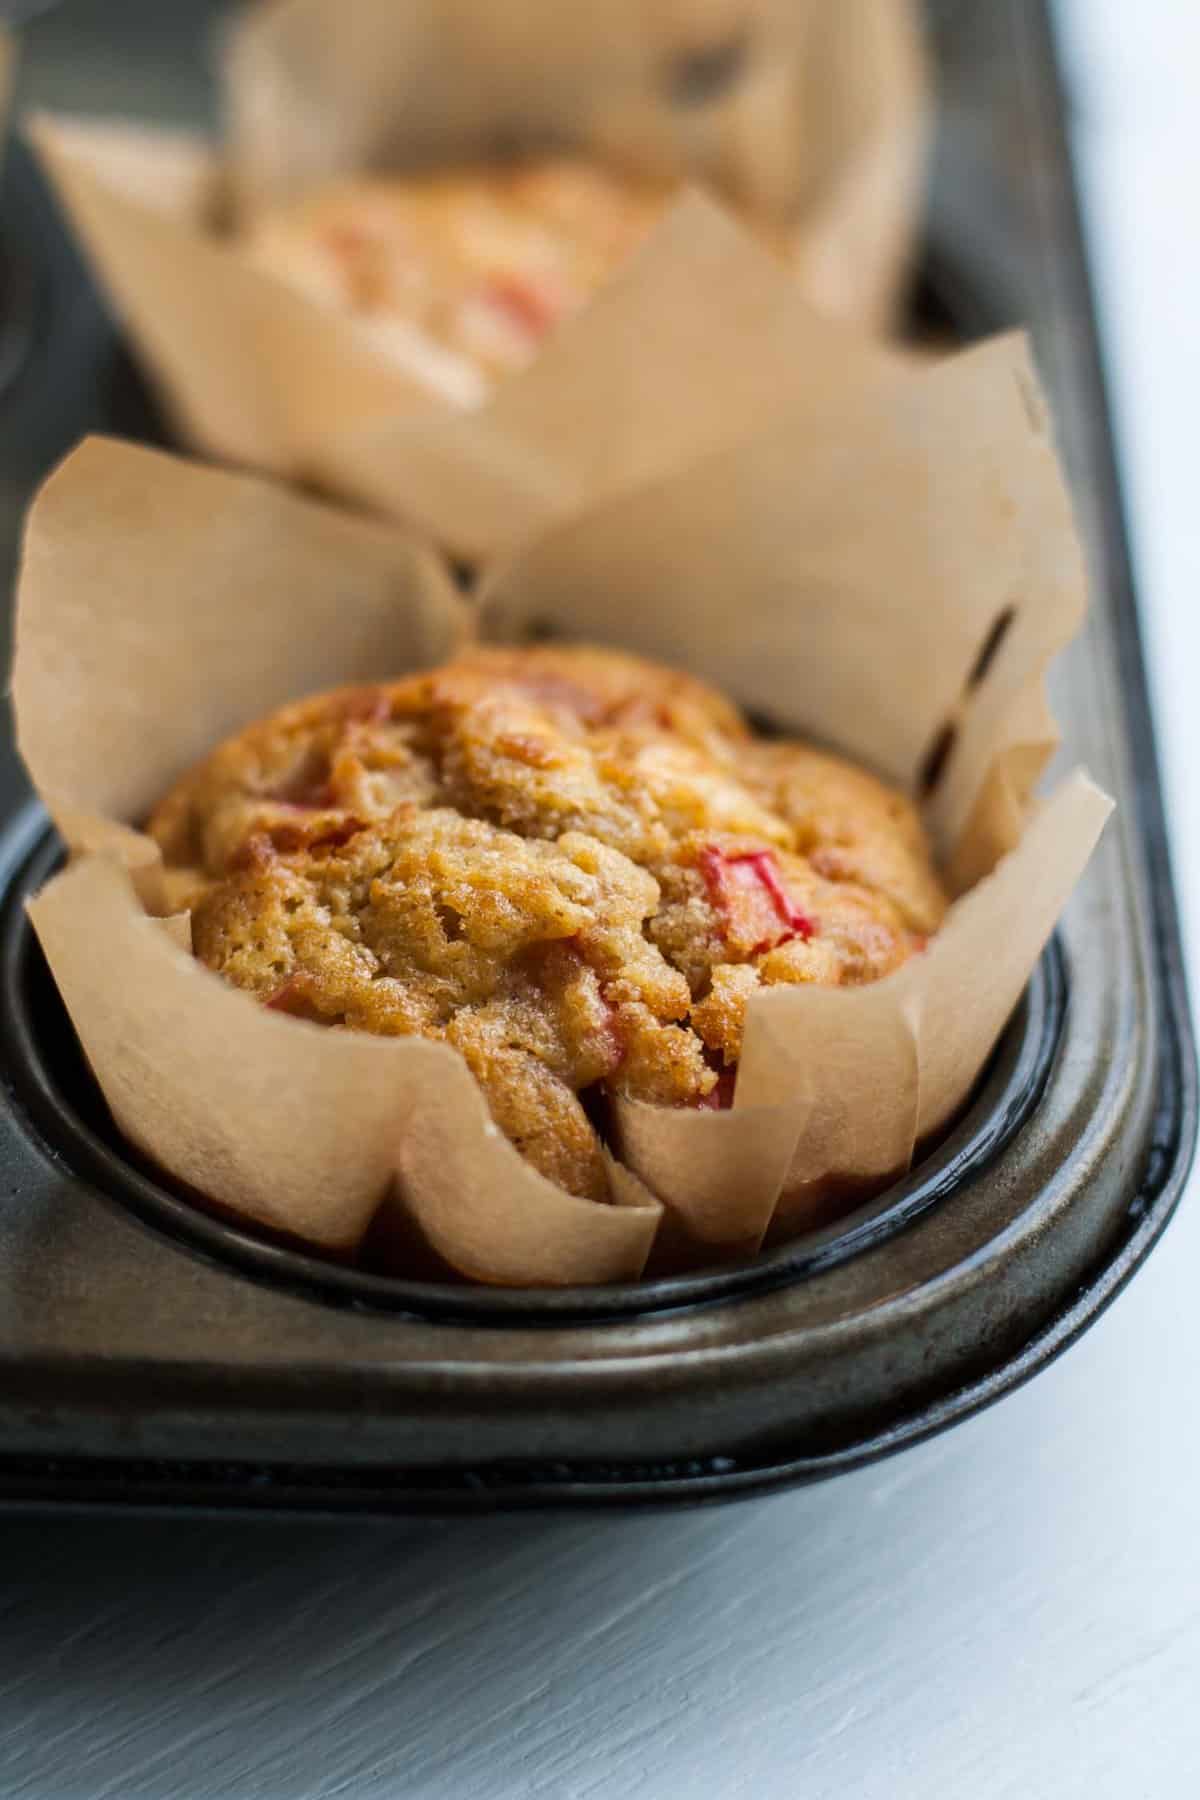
[460, 276]
[572, 865]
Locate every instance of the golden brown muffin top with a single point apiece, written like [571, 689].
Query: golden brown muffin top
[572, 865]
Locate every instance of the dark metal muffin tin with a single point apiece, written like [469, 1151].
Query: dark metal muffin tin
[154, 1354]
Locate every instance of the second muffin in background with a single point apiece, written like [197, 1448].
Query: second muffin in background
[460, 275]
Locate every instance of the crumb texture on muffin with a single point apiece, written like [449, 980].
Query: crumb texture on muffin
[572, 865]
[462, 272]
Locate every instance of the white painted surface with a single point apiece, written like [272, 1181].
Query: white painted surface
[1011, 1612]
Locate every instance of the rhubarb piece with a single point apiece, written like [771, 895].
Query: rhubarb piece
[746, 888]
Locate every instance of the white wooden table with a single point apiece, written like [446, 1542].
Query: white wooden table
[1013, 1610]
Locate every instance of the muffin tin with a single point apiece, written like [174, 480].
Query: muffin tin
[156, 1354]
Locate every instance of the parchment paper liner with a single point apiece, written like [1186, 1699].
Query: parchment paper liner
[794, 110]
[162, 604]
[681, 355]
[794, 89]
[844, 586]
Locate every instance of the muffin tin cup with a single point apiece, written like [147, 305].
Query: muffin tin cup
[49, 1074]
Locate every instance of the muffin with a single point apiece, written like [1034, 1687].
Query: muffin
[572, 865]
[460, 276]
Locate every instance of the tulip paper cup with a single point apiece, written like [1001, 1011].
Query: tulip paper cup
[894, 586]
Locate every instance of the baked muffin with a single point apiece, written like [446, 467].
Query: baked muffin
[460, 276]
[572, 865]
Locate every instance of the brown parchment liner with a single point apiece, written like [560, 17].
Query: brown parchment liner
[680, 355]
[844, 587]
[162, 604]
[769, 100]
